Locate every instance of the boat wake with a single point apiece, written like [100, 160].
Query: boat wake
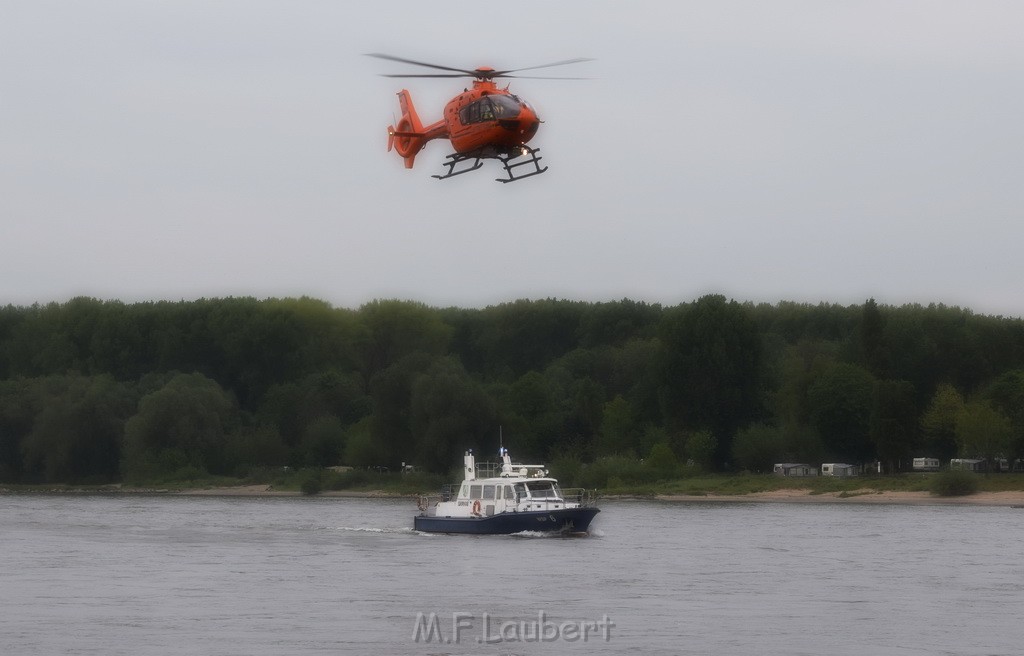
[535, 534]
[400, 530]
[554, 534]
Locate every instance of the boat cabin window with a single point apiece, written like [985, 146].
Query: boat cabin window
[464, 491]
[509, 493]
[542, 490]
[520, 490]
[489, 492]
[474, 491]
[489, 108]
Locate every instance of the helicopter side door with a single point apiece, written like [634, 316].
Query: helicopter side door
[469, 125]
[477, 112]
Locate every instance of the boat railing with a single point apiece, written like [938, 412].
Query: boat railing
[570, 497]
[488, 469]
[494, 469]
[582, 496]
[427, 504]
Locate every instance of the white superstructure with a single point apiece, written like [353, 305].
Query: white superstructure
[490, 489]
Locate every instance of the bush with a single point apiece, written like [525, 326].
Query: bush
[614, 472]
[311, 484]
[662, 461]
[567, 470]
[186, 474]
[955, 484]
[348, 479]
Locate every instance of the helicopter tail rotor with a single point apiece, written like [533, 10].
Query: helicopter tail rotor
[408, 136]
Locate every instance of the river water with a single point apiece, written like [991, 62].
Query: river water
[223, 576]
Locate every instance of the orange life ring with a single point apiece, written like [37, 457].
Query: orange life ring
[476, 507]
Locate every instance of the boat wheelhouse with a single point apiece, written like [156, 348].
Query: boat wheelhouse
[502, 498]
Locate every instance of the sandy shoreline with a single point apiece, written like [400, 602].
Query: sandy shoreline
[1013, 498]
[269, 491]
[867, 496]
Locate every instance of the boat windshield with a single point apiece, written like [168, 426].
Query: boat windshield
[544, 490]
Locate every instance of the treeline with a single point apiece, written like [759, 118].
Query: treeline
[94, 391]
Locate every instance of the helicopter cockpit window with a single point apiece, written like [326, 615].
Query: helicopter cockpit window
[470, 113]
[489, 109]
[504, 107]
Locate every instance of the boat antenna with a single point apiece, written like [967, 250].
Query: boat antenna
[501, 449]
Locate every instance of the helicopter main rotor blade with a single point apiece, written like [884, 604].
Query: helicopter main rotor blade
[530, 68]
[423, 75]
[537, 77]
[419, 63]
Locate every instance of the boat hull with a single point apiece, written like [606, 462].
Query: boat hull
[573, 520]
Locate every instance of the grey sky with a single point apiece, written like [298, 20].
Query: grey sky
[809, 151]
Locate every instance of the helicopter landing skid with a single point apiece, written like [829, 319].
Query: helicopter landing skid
[532, 159]
[530, 155]
[454, 160]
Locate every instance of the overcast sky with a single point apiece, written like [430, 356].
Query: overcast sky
[807, 151]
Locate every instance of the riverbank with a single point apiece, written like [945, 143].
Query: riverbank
[269, 491]
[789, 495]
[1005, 498]
[1012, 499]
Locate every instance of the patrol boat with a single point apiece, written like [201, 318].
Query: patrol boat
[503, 498]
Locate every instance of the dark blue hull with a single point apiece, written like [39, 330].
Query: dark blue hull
[575, 520]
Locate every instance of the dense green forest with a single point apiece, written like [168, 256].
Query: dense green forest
[94, 391]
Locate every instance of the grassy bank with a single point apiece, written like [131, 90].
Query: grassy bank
[738, 485]
[317, 481]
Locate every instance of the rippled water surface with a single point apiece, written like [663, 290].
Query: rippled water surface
[186, 575]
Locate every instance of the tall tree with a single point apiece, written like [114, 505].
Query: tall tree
[183, 424]
[392, 330]
[871, 340]
[390, 432]
[840, 402]
[758, 447]
[619, 430]
[76, 436]
[938, 423]
[894, 422]
[710, 369]
[450, 413]
[1006, 394]
[983, 432]
[525, 335]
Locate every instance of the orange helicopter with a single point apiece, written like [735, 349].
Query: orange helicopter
[484, 122]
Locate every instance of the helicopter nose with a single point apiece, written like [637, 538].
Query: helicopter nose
[524, 126]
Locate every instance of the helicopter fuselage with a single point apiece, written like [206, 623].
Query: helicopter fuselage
[488, 117]
[481, 120]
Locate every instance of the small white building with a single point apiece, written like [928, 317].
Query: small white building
[795, 469]
[840, 469]
[926, 464]
[967, 464]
